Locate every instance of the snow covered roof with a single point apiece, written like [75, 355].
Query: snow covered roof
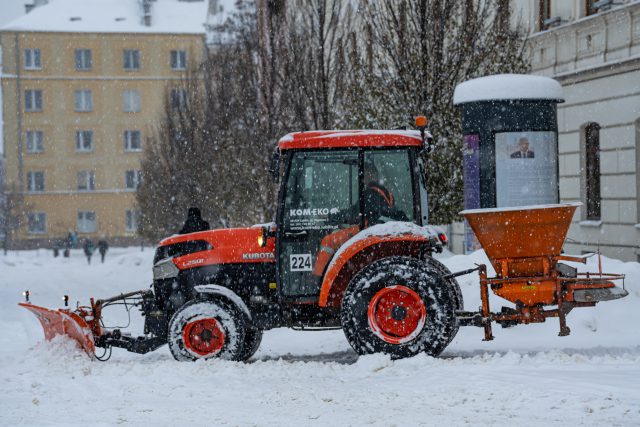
[507, 87]
[113, 16]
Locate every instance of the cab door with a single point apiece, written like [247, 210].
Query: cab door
[321, 198]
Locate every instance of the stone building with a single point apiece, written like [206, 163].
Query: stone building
[83, 84]
[593, 49]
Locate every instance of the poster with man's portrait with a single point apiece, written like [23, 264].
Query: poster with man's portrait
[526, 168]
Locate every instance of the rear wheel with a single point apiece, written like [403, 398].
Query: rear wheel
[453, 286]
[399, 306]
[204, 329]
[451, 282]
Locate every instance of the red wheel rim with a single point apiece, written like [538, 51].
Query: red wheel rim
[203, 337]
[396, 314]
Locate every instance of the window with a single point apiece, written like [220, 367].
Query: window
[86, 222]
[589, 8]
[131, 101]
[132, 179]
[84, 140]
[592, 171]
[388, 184]
[32, 100]
[37, 223]
[178, 99]
[132, 140]
[32, 60]
[83, 59]
[35, 141]
[83, 100]
[86, 180]
[544, 13]
[35, 181]
[131, 59]
[132, 218]
[178, 59]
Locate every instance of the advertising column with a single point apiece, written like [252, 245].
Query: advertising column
[510, 144]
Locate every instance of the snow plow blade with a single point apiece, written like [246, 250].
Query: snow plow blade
[63, 322]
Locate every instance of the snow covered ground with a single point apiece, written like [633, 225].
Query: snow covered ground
[526, 376]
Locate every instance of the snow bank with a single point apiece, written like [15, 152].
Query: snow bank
[527, 375]
[507, 86]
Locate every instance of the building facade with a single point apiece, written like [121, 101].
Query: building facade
[83, 87]
[593, 50]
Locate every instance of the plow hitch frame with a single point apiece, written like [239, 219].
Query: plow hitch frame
[84, 325]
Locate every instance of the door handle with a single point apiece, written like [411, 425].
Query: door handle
[295, 233]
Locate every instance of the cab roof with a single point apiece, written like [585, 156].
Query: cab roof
[350, 139]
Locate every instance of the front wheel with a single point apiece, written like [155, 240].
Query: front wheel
[252, 341]
[399, 306]
[204, 329]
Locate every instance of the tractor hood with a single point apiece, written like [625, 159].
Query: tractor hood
[224, 246]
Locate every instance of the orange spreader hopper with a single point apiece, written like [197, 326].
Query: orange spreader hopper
[524, 245]
[524, 235]
[64, 322]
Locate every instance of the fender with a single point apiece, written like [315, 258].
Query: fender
[376, 242]
[226, 293]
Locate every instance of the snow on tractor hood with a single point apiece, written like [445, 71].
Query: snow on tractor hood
[225, 246]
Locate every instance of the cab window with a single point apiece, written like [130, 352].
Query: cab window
[388, 187]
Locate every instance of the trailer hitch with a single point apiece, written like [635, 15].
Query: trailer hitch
[461, 273]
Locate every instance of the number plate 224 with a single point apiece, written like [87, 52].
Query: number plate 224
[300, 262]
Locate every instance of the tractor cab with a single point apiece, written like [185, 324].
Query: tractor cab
[334, 185]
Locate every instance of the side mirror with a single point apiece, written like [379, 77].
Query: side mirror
[427, 140]
[274, 167]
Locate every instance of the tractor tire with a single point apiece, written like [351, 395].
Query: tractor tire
[399, 306]
[453, 286]
[452, 282]
[205, 329]
[252, 341]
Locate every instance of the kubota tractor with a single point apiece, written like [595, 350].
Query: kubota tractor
[350, 248]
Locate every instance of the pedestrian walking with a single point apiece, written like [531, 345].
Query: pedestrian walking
[88, 249]
[103, 247]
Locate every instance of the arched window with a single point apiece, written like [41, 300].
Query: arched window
[591, 172]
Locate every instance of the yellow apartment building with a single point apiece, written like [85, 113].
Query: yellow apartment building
[83, 84]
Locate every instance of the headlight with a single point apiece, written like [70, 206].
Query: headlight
[165, 269]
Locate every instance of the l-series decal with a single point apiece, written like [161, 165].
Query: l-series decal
[193, 262]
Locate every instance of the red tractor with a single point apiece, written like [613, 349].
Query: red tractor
[350, 248]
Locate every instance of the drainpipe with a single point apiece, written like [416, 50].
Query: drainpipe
[19, 114]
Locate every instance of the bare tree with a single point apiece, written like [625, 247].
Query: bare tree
[270, 50]
[13, 210]
[316, 62]
[209, 150]
[412, 55]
